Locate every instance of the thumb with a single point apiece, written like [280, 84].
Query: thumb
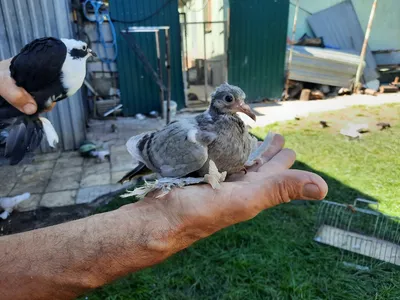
[290, 185]
[16, 96]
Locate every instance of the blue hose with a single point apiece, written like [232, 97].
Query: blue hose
[99, 18]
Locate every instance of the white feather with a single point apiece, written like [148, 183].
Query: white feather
[192, 135]
[131, 146]
[73, 70]
[51, 134]
[9, 203]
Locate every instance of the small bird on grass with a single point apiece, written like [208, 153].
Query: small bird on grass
[383, 125]
[50, 70]
[205, 148]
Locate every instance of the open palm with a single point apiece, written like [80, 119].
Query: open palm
[203, 210]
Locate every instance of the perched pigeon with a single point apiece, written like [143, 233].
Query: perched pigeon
[50, 70]
[206, 148]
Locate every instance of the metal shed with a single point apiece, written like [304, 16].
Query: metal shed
[257, 44]
[21, 21]
[139, 93]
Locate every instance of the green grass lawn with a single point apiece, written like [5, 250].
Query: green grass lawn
[274, 256]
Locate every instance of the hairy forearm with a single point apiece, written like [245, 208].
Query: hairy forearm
[66, 260]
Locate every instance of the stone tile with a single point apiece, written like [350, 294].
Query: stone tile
[89, 194]
[66, 172]
[115, 176]
[121, 142]
[69, 162]
[20, 169]
[96, 168]
[63, 198]
[31, 204]
[96, 179]
[9, 177]
[34, 183]
[118, 149]
[64, 183]
[37, 166]
[65, 179]
[121, 160]
[70, 154]
[47, 156]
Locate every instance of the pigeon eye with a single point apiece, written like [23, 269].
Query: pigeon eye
[228, 98]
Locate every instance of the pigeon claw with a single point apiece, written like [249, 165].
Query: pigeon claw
[214, 177]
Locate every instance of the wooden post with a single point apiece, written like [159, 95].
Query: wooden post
[364, 47]
[286, 96]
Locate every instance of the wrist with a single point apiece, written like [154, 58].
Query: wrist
[166, 232]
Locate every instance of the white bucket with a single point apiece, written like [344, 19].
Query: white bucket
[172, 111]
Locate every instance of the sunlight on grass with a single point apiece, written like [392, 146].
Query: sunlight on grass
[367, 165]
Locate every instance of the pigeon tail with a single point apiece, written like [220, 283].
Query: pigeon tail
[22, 136]
[138, 171]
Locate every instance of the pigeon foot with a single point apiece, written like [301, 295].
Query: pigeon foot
[214, 177]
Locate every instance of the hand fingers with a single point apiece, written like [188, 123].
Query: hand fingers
[277, 144]
[294, 184]
[16, 96]
[258, 195]
[280, 162]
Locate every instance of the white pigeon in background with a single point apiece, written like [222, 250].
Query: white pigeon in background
[8, 204]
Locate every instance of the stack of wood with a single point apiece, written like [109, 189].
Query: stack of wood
[391, 88]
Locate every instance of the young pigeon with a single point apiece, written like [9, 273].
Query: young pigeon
[206, 148]
[50, 70]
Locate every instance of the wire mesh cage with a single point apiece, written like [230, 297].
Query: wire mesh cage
[365, 236]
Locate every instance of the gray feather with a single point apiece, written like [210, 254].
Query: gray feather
[185, 147]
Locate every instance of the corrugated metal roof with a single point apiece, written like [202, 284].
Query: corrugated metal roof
[256, 52]
[139, 93]
[340, 27]
[323, 66]
[21, 21]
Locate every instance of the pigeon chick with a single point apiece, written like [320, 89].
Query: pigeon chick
[50, 70]
[212, 145]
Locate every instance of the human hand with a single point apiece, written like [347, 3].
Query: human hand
[16, 96]
[197, 211]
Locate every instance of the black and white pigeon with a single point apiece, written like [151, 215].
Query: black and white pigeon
[205, 148]
[50, 70]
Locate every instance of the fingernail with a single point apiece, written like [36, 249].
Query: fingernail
[29, 108]
[311, 191]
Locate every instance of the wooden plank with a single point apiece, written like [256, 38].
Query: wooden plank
[388, 89]
[305, 94]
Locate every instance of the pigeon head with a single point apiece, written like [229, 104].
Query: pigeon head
[229, 99]
[78, 49]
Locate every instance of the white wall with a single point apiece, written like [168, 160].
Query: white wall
[385, 33]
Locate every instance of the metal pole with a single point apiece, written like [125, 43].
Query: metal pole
[225, 61]
[364, 47]
[168, 65]
[291, 50]
[160, 71]
[205, 64]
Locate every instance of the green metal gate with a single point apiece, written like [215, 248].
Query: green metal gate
[257, 47]
[139, 93]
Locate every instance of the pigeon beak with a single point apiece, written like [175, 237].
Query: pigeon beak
[244, 108]
[90, 51]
